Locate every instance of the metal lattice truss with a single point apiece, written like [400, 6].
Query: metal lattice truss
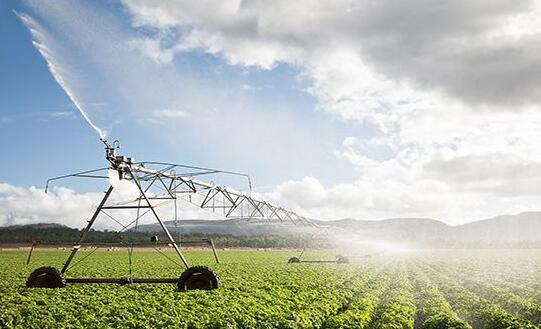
[156, 184]
[159, 184]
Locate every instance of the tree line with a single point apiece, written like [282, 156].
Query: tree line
[59, 234]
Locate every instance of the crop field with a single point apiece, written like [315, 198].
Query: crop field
[418, 289]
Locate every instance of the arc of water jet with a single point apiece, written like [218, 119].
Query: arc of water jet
[38, 43]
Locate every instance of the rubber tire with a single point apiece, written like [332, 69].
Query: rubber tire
[46, 277]
[294, 260]
[198, 277]
[342, 260]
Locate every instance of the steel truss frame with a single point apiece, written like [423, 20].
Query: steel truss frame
[168, 185]
[157, 183]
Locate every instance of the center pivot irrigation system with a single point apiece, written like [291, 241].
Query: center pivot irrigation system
[159, 184]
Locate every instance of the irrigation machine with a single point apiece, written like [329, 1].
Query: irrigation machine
[338, 259]
[321, 240]
[157, 185]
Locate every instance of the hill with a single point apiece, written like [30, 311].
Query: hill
[509, 228]
[397, 229]
[521, 230]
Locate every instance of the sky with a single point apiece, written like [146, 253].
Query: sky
[360, 109]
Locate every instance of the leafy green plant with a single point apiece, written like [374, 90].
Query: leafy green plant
[426, 290]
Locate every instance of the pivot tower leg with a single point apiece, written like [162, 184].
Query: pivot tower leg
[86, 229]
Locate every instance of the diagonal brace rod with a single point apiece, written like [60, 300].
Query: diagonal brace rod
[87, 228]
[177, 250]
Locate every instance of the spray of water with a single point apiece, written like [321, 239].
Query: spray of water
[56, 71]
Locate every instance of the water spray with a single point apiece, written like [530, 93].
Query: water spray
[38, 42]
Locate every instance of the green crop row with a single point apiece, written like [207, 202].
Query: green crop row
[422, 290]
[434, 311]
[479, 312]
[507, 266]
[358, 311]
[397, 307]
[520, 306]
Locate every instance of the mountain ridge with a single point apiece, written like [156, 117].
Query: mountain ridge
[524, 227]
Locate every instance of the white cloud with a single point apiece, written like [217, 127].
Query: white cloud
[20, 205]
[228, 127]
[458, 47]
[441, 183]
[304, 194]
[152, 49]
[451, 87]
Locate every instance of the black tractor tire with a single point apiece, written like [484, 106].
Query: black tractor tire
[342, 260]
[198, 277]
[294, 260]
[46, 277]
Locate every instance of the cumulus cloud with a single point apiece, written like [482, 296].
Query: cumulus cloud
[456, 185]
[20, 205]
[305, 193]
[449, 88]
[61, 205]
[481, 52]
